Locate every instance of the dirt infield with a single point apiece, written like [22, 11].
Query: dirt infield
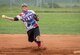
[17, 44]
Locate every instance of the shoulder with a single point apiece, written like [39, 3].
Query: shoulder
[20, 14]
[31, 11]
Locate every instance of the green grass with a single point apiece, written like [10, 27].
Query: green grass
[50, 23]
[60, 23]
[17, 10]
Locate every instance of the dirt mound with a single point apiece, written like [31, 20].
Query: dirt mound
[17, 44]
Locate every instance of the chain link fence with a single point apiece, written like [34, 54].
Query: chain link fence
[13, 6]
[42, 3]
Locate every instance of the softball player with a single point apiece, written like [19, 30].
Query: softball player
[29, 19]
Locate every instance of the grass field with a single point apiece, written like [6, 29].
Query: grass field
[50, 23]
[13, 9]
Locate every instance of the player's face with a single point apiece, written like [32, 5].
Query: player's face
[24, 8]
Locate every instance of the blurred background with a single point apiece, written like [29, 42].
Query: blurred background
[40, 4]
[56, 16]
[43, 3]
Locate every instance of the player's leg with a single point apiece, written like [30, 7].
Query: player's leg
[37, 36]
[30, 35]
[38, 41]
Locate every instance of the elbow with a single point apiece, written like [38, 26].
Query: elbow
[16, 19]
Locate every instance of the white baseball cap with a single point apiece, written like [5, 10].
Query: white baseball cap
[24, 4]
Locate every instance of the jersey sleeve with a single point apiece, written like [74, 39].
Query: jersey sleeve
[16, 19]
[35, 16]
[19, 16]
[32, 11]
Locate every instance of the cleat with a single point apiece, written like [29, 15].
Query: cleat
[39, 44]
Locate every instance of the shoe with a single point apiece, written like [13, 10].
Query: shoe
[39, 43]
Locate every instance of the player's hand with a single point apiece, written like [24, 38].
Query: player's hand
[4, 16]
[9, 18]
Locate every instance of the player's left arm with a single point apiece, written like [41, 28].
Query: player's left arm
[36, 17]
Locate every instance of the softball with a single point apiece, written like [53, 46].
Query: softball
[3, 16]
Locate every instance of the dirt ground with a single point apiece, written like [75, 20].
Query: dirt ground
[17, 44]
